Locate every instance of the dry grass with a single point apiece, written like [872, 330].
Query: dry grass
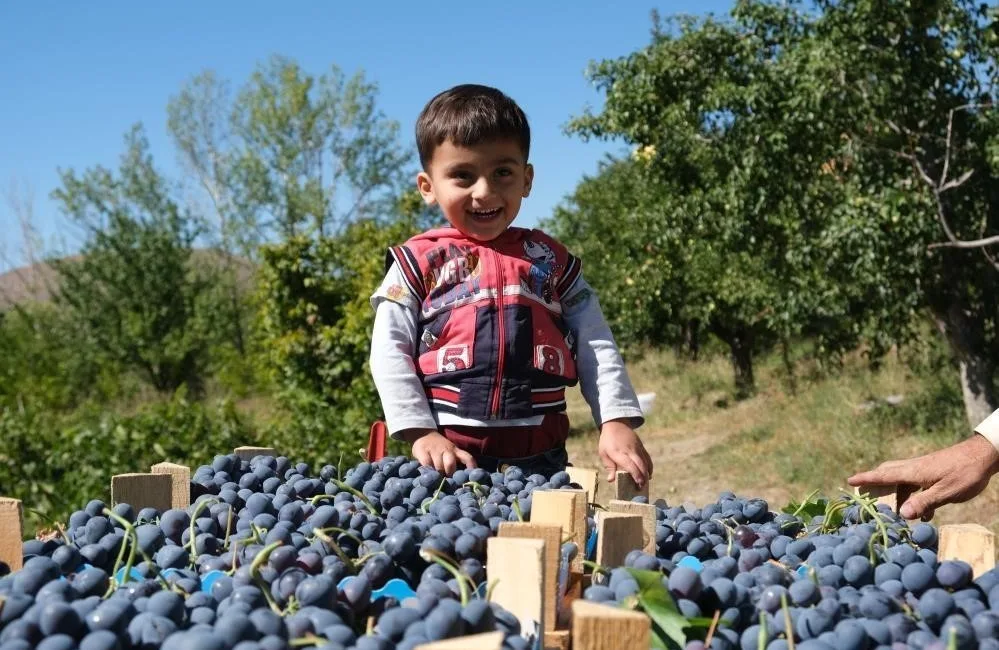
[779, 445]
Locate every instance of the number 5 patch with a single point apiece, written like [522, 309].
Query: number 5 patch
[549, 359]
[453, 357]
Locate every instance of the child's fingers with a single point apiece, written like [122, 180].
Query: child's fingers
[423, 456]
[648, 462]
[626, 463]
[466, 458]
[438, 461]
[641, 473]
[450, 462]
[609, 465]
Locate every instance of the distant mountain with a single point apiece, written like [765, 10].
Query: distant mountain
[37, 282]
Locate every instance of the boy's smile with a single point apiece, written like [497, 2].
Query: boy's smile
[478, 188]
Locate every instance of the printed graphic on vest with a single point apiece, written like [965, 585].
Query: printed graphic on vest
[549, 359]
[452, 358]
[541, 279]
[453, 275]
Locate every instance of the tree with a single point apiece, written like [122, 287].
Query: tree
[721, 121]
[133, 290]
[309, 168]
[820, 138]
[917, 82]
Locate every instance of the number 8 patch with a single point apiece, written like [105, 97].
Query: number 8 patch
[549, 359]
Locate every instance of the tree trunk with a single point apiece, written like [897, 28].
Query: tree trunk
[693, 338]
[965, 337]
[742, 363]
[740, 343]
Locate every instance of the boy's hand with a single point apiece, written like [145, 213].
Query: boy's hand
[621, 449]
[434, 450]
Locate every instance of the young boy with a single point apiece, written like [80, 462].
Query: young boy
[480, 327]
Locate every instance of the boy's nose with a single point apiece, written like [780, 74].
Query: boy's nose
[481, 189]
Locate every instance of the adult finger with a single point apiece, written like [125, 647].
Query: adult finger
[921, 505]
[466, 458]
[450, 462]
[891, 473]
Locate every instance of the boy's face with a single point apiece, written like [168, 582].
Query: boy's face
[478, 188]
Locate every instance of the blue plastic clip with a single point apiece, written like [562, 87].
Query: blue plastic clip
[591, 546]
[394, 588]
[691, 562]
[210, 579]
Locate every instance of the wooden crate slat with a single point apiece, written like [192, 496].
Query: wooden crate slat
[515, 571]
[599, 627]
[142, 490]
[180, 476]
[971, 543]
[11, 533]
[618, 534]
[647, 512]
[625, 487]
[551, 535]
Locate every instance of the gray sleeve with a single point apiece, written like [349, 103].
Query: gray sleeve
[603, 378]
[393, 350]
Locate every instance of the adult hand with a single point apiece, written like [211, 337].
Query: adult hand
[620, 448]
[951, 475]
[434, 450]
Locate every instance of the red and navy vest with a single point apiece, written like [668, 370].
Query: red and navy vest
[492, 340]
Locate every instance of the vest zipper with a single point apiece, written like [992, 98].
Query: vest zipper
[494, 409]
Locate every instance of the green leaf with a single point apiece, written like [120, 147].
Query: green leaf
[656, 601]
[808, 508]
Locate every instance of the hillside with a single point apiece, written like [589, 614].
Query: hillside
[38, 282]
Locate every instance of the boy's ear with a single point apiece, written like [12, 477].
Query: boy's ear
[426, 188]
[528, 179]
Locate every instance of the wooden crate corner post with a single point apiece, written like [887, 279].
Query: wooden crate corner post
[599, 627]
[180, 477]
[587, 478]
[567, 509]
[248, 453]
[551, 535]
[515, 571]
[143, 490]
[647, 512]
[971, 543]
[11, 533]
[618, 534]
[625, 487]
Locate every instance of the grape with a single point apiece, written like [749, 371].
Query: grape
[684, 582]
[857, 570]
[953, 574]
[924, 535]
[918, 577]
[744, 536]
[934, 606]
[803, 593]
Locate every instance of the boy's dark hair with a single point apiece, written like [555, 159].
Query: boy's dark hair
[468, 115]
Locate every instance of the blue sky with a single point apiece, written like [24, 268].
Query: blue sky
[75, 76]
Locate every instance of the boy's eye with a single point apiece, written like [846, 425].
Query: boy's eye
[504, 171]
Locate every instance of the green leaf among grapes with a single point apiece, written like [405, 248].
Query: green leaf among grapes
[655, 600]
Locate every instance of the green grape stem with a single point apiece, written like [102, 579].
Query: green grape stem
[130, 536]
[462, 579]
[357, 493]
